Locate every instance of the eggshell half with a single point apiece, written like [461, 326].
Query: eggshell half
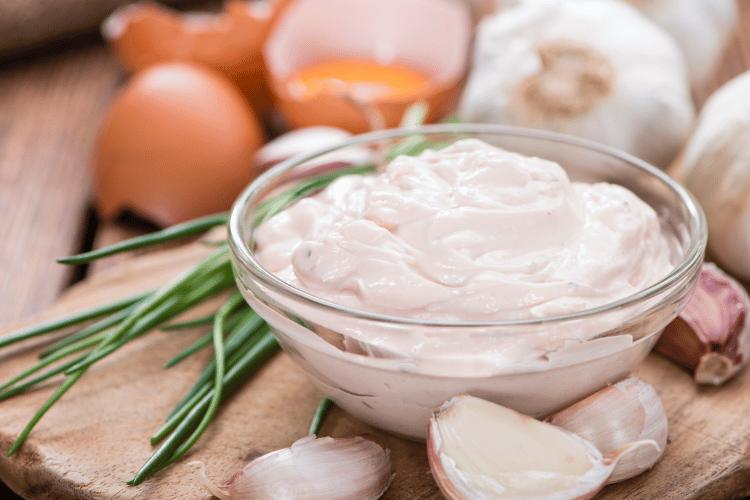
[145, 33]
[430, 36]
[178, 142]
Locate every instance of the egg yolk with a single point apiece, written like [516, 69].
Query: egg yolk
[366, 80]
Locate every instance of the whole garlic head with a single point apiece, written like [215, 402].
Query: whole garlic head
[700, 27]
[716, 169]
[597, 69]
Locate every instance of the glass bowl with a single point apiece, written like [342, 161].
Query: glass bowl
[562, 358]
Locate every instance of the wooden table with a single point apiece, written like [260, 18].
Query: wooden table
[50, 106]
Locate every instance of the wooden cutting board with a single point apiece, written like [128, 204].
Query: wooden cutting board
[97, 436]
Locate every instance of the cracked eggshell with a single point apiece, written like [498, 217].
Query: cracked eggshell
[145, 33]
[176, 143]
[429, 36]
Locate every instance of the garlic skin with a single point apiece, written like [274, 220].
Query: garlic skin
[700, 27]
[716, 169]
[312, 468]
[597, 69]
[627, 411]
[480, 450]
[302, 140]
[711, 336]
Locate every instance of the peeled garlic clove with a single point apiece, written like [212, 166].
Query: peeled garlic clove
[627, 411]
[711, 336]
[478, 449]
[312, 468]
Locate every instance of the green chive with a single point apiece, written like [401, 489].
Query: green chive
[193, 323]
[39, 378]
[171, 233]
[202, 342]
[252, 360]
[239, 341]
[57, 356]
[67, 384]
[209, 264]
[66, 321]
[97, 327]
[320, 415]
[218, 337]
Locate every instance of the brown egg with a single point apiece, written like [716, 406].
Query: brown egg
[177, 142]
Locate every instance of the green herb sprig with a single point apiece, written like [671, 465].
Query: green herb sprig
[242, 341]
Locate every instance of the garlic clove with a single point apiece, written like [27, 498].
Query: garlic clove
[711, 336]
[312, 468]
[627, 411]
[478, 449]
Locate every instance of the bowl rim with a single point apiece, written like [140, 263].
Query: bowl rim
[243, 256]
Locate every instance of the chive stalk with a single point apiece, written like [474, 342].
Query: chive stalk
[229, 324]
[320, 415]
[93, 329]
[67, 384]
[237, 355]
[171, 233]
[193, 323]
[241, 337]
[62, 322]
[249, 363]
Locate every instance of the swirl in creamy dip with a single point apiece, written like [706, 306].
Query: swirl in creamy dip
[470, 233]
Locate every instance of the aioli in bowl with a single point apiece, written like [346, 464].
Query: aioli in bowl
[391, 369]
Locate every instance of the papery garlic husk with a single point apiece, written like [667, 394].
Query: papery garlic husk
[294, 142]
[716, 169]
[711, 335]
[702, 29]
[479, 450]
[597, 69]
[312, 468]
[627, 411]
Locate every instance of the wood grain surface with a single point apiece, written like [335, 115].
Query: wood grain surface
[96, 438]
[91, 443]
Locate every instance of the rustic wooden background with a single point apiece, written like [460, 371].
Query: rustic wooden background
[51, 101]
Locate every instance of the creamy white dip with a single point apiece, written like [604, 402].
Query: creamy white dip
[471, 233]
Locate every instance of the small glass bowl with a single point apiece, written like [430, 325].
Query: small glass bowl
[397, 393]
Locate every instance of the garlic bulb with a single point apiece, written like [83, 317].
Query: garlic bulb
[716, 169]
[627, 411]
[700, 27]
[480, 450]
[312, 468]
[597, 69]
